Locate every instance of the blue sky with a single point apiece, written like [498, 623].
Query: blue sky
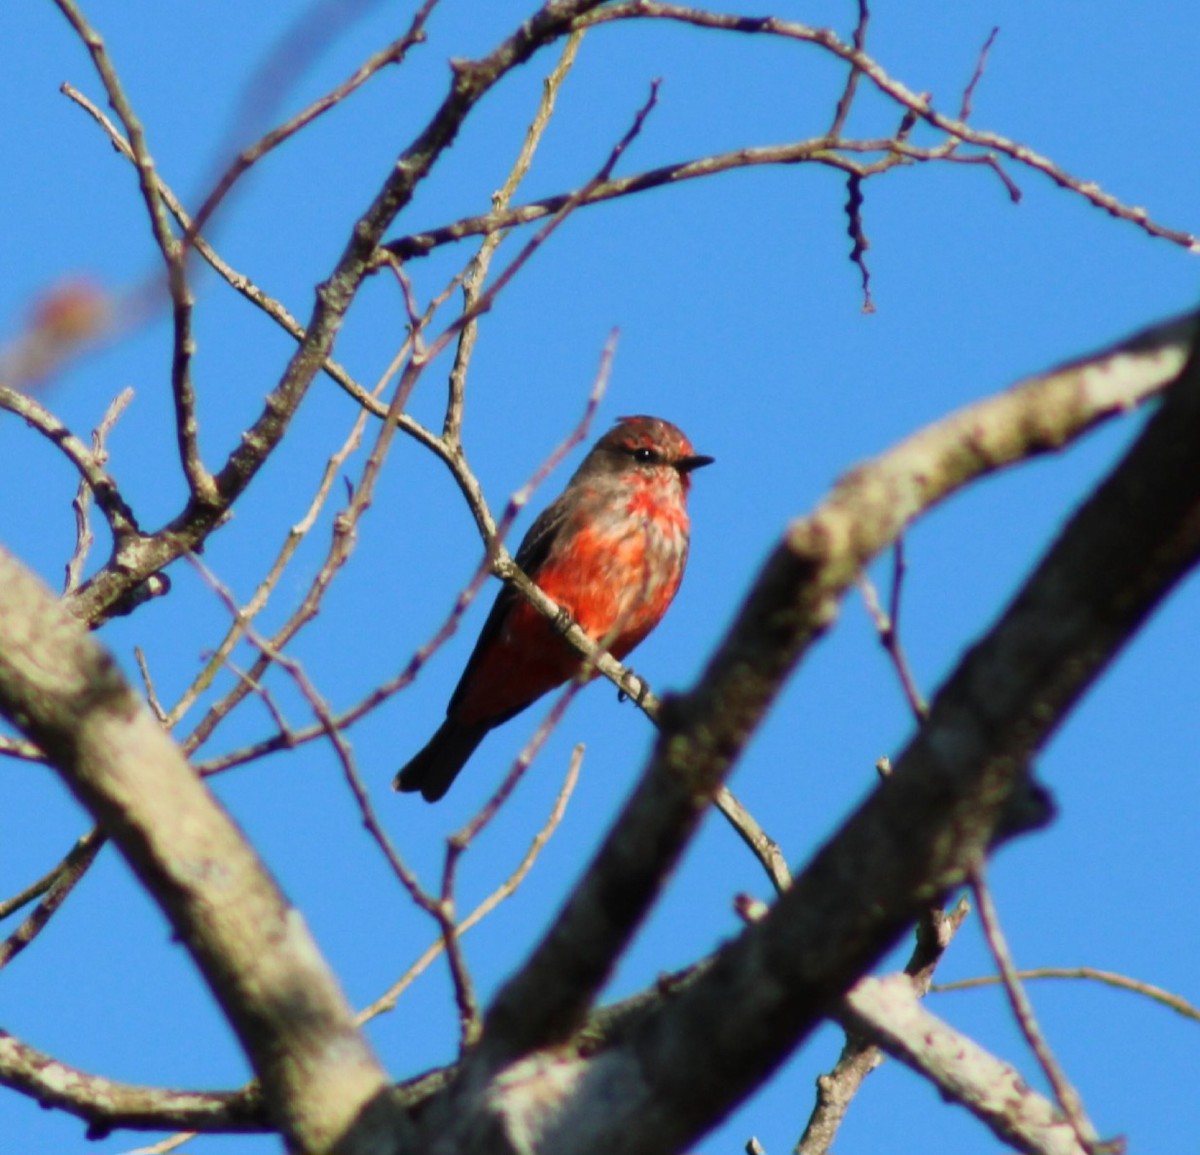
[740, 320]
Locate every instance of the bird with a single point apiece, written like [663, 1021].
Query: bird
[611, 551]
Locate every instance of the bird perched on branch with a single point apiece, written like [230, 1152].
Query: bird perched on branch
[610, 551]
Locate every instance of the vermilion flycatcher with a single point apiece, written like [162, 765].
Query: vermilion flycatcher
[610, 551]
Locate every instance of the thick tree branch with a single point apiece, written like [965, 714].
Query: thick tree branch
[962, 784]
[887, 1010]
[106, 1105]
[794, 601]
[880, 1014]
[323, 1087]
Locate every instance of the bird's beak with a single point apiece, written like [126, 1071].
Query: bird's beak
[696, 461]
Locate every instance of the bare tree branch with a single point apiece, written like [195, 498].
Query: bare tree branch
[323, 1086]
[1069, 1101]
[91, 469]
[302, 41]
[862, 1052]
[387, 1001]
[541, 1069]
[481, 263]
[888, 1010]
[97, 599]
[55, 886]
[917, 104]
[84, 538]
[246, 287]
[960, 786]
[471, 81]
[801, 586]
[816, 150]
[1156, 994]
[200, 481]
[106, 1104]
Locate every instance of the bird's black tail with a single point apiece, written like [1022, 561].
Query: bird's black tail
[437, 765]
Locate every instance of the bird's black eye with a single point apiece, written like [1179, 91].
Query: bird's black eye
[645, 455]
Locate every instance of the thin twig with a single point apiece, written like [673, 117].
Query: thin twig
[478, 269]
[894, 151]
[341, 545]
[387, 1001]
[470, 1020]
[297, 46]
[918, 105]
[461, 840]
[62, 880]
[1068, 1098]
[857, 231]
[887, 625]
[327, 721]
[1166, 998]
[200, 481]
[763, 847]
[242, 284]
[338, 552]
[521, 497]
[966, 108]
[151, 694]
[487, 299]
[816, 149]
[256, 687]
[109, 501]
[84, 538]
[860, 1056]
[35, 890]
[295, 537]
[441, 910]
[847, 98]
